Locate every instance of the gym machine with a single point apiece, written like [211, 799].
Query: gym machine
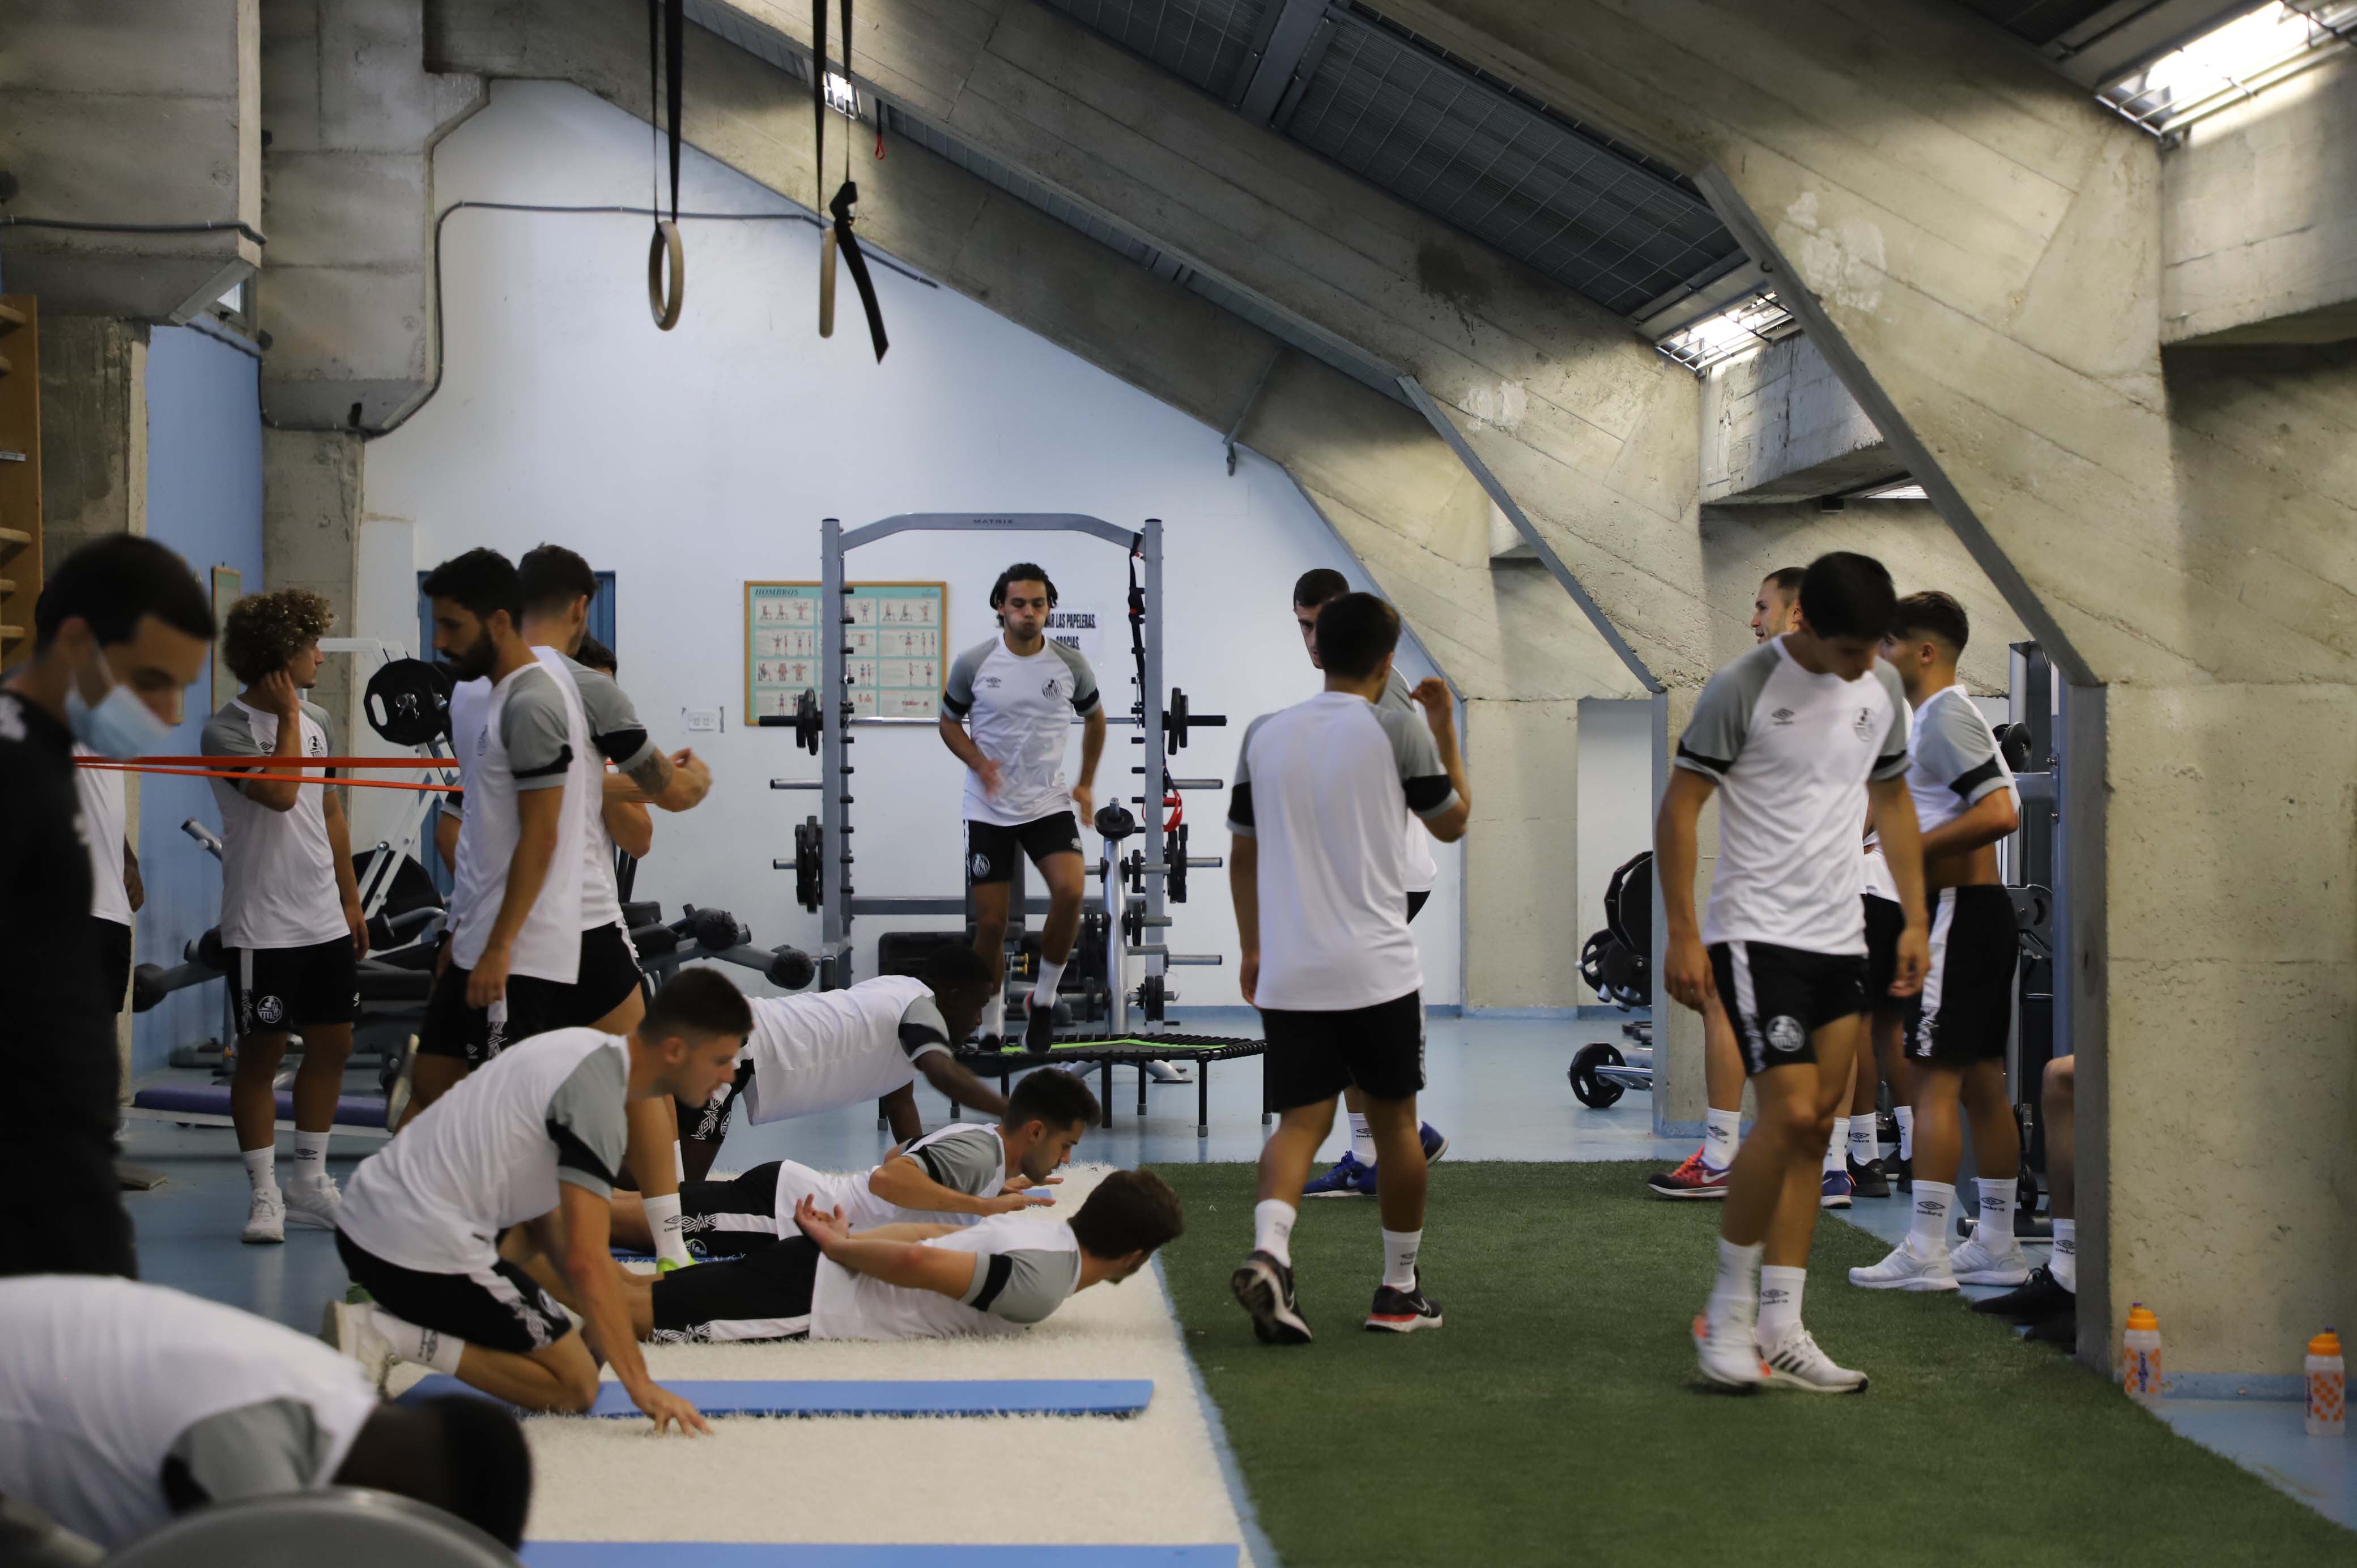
[1617, 963]
[358, 1528]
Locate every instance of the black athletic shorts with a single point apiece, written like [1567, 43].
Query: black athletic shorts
[532, 1006]
[1314, 1055]
[729, 1219]
[499, 1308]
[1416, 902]
[990, 847]
[1886, 918]
[1778, 998]
[274, 990]
[710, 1124]
[609, 972]
[1967, 1013]
[765, 1295]
[112, 939]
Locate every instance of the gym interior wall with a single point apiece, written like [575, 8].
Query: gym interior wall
[691, 461]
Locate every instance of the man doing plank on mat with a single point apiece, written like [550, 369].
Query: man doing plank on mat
[825, 1049]
[530, 1142]
[292, 932]
[120, 630]
[1006, 713]
[912, 1281]
[965, 1172]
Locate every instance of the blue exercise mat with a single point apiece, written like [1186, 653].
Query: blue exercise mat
[755, 1554]
[989, 1396]
[212, 1100]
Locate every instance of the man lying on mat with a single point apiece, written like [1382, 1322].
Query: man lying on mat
[965, 1172]
[911, 1282]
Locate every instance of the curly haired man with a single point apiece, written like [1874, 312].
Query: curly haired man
[291, 928]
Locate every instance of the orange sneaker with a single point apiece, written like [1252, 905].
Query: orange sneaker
[1692, 1179]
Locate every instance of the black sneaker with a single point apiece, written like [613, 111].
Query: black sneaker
[1263, 1287]
[1901, 1169]
[1867, 1179]
[2035, 1300]
[2062, 1330]
[1038, 1023]
[1403, 1311]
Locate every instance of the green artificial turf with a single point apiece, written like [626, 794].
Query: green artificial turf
[1557, 1418]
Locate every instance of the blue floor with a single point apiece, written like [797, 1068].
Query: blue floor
[1497, 1088]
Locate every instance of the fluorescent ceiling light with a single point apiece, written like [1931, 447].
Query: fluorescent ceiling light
[2228, 64]
[1896, 491]
[1749, 323]
[840, 96]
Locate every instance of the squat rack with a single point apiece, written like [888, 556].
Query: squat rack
[839, 905]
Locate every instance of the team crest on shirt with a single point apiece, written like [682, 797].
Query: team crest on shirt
[1865, 725]
[1786, 1033]
[1051, 688]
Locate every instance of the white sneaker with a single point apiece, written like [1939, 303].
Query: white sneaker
[405, 1084]
[1727, 1354]
[266, 1221]
[1168, 1072]
[352, 1328]
[315, 1204]
[1904, 1271]
[1975, 1263]
[1795, 1362]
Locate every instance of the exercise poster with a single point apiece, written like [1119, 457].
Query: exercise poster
[892, 649]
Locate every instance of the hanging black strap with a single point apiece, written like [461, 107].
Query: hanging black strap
[818, 96]
[849, 246]
[666, 39]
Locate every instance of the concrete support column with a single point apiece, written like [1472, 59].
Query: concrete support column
[1522, 854]
[1679, 1093]
[310, 539]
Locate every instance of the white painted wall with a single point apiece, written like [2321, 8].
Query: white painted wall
[691, 461]
[1616, 802]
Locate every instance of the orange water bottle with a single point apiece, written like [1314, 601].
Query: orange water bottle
[2140, 1356]
[2327, 1386]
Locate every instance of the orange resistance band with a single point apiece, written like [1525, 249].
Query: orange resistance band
[215, 762]
[250, 776]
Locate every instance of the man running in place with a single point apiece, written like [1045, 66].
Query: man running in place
[1316, 867]
[963, 1172]
[1703, 1174]
[1353, 1175]
[1964, 802]
[531, 1142]
[1007, 714]
[291, 929]
[1797, 736]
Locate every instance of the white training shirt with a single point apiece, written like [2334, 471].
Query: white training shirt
[1791, 754]
[822, 1050]
[105, 1382]
[526, 733]
[965, 1156]
[102, 815]
[1953, 765]
[1324, 786]
[278, 871]
[1421, 869]
[1019, 709]
[491, 1153]
[1028, 1266]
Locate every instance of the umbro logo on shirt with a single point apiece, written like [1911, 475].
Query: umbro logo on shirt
[991, 682]
[1782, 715]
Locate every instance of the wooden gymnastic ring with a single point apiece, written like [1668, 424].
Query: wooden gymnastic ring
[664, 303]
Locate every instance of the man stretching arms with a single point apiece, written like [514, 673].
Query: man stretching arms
[291, 928]
[1006, 713]
[1964, 802]
[1798, 736]
[965, 1171]
[1353, 1175]
[532, 1142]
[1317, 865]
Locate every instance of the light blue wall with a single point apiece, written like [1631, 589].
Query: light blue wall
[204, 499]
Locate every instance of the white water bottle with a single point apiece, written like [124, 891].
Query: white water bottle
[2327, 1386]
[2140, 1356]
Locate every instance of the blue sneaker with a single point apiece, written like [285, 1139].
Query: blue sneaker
[1348, 1178]
[1434, 1145]
[1834, 1192]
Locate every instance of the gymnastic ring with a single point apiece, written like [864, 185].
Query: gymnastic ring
[664, 303]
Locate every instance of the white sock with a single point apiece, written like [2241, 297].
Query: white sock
[678, 1161]
[426, 1347]
[1905, 1116]
[1995, 1231]
[1927, 1235]
[993, 1014]
[1735, 1291]
[1400, 1248]
[1273, 1229]
[310, 1158]
[259, 1163]
[1836, 1149]
[1722, 1134]
[2065, 1266]
[1780, 1301]
[1363, 1142]
[1865, 1146]
[663, 1219]
[1050, 976]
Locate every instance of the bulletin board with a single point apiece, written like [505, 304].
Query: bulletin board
[892, 649]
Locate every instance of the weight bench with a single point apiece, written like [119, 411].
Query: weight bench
[1136, 1050]
[984, 1396]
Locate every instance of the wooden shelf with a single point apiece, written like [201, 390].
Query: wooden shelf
[11, 633]
[10, 319]
[5, 366]
[15, 536]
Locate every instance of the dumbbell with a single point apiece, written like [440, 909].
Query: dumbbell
[151, 983]
[718, 934]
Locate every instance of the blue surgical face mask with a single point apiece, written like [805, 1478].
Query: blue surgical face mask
[119, 724]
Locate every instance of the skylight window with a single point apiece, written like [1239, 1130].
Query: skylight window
[2230, 64]
[1896, 491]
[840, 96]
[1750, 323]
